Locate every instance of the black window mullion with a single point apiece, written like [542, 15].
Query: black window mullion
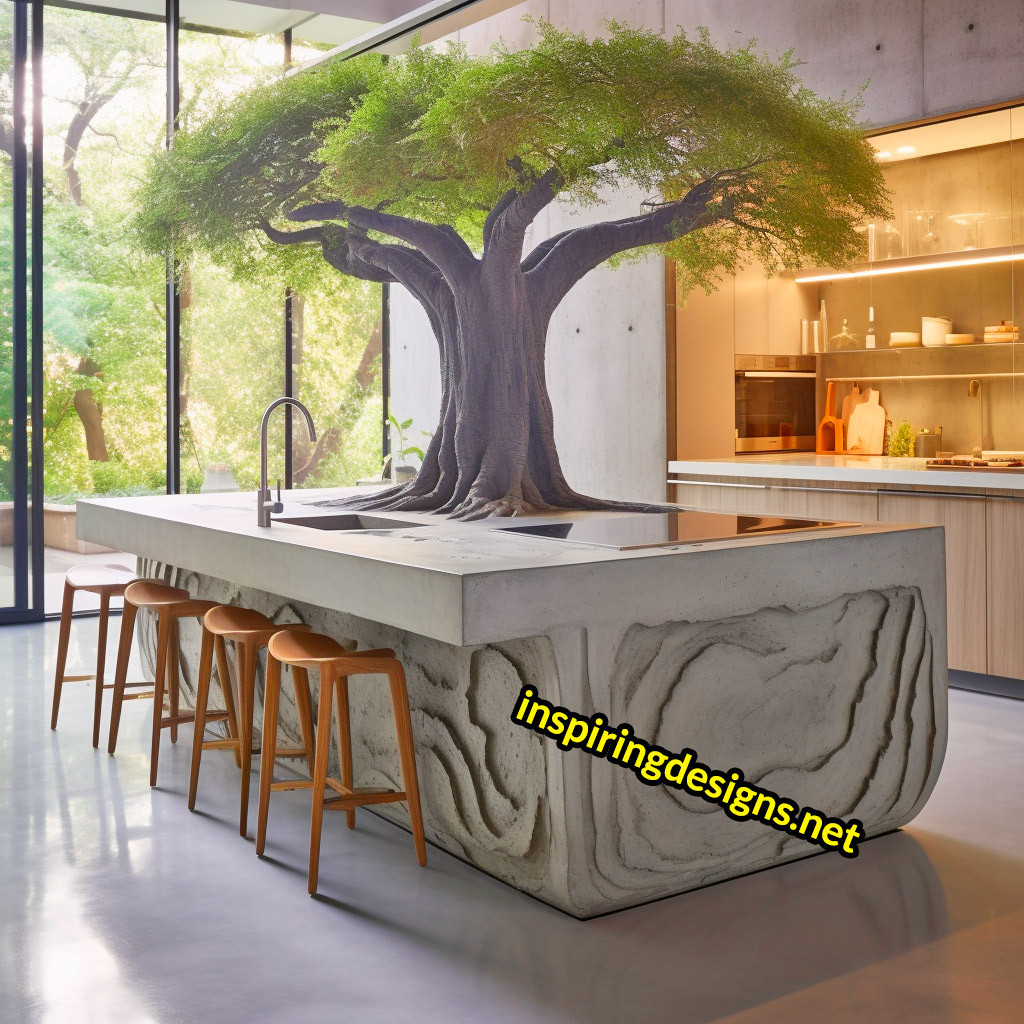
[172, 297]
[289, 339]
[20, 364]
[36, 378]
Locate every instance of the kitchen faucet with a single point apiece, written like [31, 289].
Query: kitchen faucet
[264, 499]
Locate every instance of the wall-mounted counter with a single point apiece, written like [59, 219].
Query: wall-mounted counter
[982, 512]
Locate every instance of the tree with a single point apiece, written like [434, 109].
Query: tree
[429, 170]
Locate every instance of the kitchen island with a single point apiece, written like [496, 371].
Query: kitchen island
[982, 511]
[813, 660]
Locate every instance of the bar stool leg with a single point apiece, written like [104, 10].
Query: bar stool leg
[345, 742]
[124, 651]
[323, 743]
[174, 678]
[202, 699]
[247, 677]
[67, 607]
[271, 699]
[101, 658]
[304, 702]
[407, 754]
[163, 638]
[224, 675]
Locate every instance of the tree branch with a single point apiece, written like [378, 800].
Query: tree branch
[443, 246]
[290, 237]
[86, 110]
[318, 211]
[573, 254]
[503, 243]
[336, 250]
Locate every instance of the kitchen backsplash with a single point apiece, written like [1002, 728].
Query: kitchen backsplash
[993, 419]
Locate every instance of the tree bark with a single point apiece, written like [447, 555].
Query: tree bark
[494, 451]
[91, 415]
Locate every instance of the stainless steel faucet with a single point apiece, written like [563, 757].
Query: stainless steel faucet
[265, 503]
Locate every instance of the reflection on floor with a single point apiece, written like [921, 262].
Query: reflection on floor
[120, 907]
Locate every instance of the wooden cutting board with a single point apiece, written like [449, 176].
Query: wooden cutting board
[850, 402]
[866, 433]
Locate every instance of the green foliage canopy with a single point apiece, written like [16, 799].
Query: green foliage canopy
[442, 136]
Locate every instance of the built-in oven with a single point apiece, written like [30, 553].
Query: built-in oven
[775, 404]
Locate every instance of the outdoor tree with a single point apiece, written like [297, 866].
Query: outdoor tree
[428, 171]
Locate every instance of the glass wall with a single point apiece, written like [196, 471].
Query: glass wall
[104, 421]
[232, 327]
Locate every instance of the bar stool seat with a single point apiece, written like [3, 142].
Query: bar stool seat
[335, 664]
[169, 604]
[106, 581]
[250, 631]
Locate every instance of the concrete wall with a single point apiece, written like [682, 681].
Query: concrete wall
[917, 57]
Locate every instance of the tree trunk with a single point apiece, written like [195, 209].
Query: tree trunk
[493, 452]
[91, 415]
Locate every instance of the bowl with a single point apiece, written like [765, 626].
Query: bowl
[959, 339]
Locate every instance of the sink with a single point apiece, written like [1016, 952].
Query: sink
[347, 521]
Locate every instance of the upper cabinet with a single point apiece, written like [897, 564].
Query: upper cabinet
[949, 250]
[929, 317]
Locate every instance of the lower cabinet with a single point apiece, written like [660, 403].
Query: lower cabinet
[964, 518]
[1005, 526]
[984, 552]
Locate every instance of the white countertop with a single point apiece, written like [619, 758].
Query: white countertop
[862, 469]
[462, 583]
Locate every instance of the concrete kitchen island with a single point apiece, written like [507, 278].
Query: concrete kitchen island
[813, 661]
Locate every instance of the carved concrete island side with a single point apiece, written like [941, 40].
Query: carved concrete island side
[814, 661]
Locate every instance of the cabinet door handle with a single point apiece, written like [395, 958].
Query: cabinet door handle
[716, 483]
[944, 495]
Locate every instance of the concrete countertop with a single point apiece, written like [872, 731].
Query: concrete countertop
[463, 583]
[861, 469]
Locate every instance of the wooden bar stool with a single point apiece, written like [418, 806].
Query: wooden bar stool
[106, 581]
[250, 631]
[335, 664]
[169, 604]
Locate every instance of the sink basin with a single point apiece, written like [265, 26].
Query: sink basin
[347, 521]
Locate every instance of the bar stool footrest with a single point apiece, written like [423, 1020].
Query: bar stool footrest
[77, 679]
[349, 799]
[291, 784]
[169, 720]
[226, 744]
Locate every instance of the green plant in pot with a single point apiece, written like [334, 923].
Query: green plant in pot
[401, 450]
[903, 441]
[430, 170]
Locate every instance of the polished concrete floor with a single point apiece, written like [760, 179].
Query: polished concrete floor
[117, 906]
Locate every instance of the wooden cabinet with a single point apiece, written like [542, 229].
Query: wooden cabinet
[984, 550]
[1005, 592]
[964, 519]
[781, 499]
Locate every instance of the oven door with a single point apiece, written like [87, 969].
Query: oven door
[774, 411]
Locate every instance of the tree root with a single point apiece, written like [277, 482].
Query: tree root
[404, 498]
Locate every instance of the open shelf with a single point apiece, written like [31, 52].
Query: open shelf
[907, 264]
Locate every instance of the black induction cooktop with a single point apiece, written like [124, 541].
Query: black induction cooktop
[626, 533]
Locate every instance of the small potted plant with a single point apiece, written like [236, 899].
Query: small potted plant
[903, 442]
[400, 471]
